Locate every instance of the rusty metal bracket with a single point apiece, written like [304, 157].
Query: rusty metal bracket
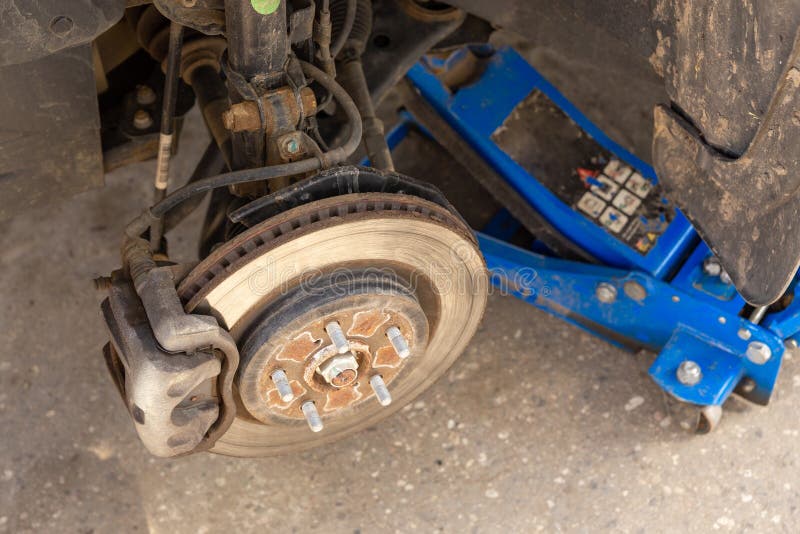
[283, 111]
[746, 209]
[173, 398]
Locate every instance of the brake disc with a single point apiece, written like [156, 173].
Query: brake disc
[331, 295]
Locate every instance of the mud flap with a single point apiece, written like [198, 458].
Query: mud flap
[746, 209]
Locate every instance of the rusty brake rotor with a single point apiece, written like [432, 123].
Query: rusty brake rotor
[321, 298]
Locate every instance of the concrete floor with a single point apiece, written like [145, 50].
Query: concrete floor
[538, 426]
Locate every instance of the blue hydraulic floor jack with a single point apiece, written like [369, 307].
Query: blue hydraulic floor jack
[643, 279]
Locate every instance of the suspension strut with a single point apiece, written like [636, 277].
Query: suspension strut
[258, 50]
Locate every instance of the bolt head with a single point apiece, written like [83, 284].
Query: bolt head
[142, 120]
[61, 25]
[758, 352]
[339, 371]
[291, 145]
[689, 373]
[711, 266]
[744, 334]
[606, 293]
[747, 385]
[634, 290]
[145, 95]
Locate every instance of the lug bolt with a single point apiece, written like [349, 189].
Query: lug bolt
[606, 293]
[142, 120]
[337, 337]
[758, 352]
[380, 389]
[689, 373]
[398, 342]
[282, 383]
[312, 416]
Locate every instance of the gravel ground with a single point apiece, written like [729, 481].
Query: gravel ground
[537, 427]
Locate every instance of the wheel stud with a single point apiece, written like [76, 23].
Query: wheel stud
[337, 337]
[398, 342]
[312, 416]
[282, 383]
[380, 389]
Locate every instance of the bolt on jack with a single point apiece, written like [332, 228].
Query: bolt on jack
[689, 373]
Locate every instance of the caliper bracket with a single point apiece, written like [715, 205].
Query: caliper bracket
[176, 379]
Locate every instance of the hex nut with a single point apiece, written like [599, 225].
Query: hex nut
[689, 373]
[339, 371]
[758, 352]
[606, 293]
[142, 120]
[290, 145]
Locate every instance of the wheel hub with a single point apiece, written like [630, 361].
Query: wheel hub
[327, 340]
